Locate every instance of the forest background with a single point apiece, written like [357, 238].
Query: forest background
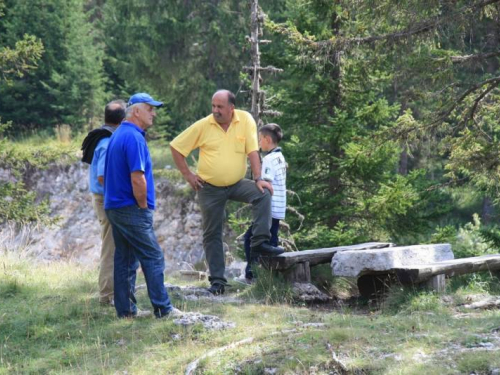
[389, 108]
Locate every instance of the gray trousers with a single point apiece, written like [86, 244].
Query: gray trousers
[213, 201]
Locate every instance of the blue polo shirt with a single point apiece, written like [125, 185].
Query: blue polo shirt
[127, 152]
[97, 166]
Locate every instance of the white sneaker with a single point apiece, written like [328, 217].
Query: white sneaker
[175, 313]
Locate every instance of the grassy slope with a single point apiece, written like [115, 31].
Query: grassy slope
[50, 322]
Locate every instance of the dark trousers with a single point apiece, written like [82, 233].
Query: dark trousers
[213, 201]
[275, 226]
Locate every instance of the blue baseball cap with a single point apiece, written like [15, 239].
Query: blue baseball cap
[142, 97]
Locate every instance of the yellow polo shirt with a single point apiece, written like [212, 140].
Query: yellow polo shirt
[223, 155]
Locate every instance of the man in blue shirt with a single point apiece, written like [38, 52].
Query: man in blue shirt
[94, 152]
[129, 201]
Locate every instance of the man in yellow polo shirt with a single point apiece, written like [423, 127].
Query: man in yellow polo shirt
[225, 139]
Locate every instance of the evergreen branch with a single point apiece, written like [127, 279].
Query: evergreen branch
[480, 98]
[493, 82]
[341, 44]
[473, 58]
[399, 133]
[453, 182]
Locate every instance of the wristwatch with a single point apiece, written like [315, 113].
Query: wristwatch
[258, 179]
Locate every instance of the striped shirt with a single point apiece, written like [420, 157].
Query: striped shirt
[274, 170]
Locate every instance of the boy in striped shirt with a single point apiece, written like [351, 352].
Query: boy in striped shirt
[274, 171]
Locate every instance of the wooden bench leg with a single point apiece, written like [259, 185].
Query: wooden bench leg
[300, 273]
[436, 283]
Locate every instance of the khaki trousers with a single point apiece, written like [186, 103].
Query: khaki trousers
[106, 285]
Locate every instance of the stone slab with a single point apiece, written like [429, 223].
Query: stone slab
[358, 263]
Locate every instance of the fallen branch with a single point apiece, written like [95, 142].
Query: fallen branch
[486, 304]
[190, 370]
[337, 362]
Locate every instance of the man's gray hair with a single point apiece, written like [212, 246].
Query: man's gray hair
[128, 110]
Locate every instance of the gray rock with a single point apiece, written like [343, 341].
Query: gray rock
[210, 322]
[77, 234]
[354, 263]
[308, 293]
[235, 269]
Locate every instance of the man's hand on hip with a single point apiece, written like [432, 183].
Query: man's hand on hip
[262, 184]
[194, 180]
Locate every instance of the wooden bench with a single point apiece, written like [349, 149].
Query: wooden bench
[296, 265]
[424, 272]
[431, 275]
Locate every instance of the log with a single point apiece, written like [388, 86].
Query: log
[423, 272]
[315, 256]
[491, 303]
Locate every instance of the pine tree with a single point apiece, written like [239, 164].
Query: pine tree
[67, 87]
[180, 51]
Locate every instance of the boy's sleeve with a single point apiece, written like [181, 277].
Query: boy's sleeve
[189, 139]
[268, 171]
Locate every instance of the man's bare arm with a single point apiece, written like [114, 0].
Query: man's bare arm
[139, 188]
[256, 171]
[180, 161]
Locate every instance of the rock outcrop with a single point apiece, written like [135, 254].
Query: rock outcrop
[76, 235]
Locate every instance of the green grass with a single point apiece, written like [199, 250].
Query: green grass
[51, 322]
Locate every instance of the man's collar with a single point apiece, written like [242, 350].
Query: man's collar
[131, 124]
[234, 120]
[110, 128]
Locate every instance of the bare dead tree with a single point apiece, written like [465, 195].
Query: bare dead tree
[258, 98]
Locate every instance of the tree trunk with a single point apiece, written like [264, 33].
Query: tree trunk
[334, 186]
[488, 211]
[255, 53]
[403, 162]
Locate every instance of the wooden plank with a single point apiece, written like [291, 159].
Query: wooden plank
[423, 272]
[315, 256]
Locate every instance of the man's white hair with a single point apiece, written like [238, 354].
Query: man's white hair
[128, 110]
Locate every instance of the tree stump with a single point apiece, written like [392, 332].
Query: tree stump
[436, 283]
[300, 273]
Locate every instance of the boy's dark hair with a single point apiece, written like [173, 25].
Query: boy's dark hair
[114, 112]
[272, 130]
